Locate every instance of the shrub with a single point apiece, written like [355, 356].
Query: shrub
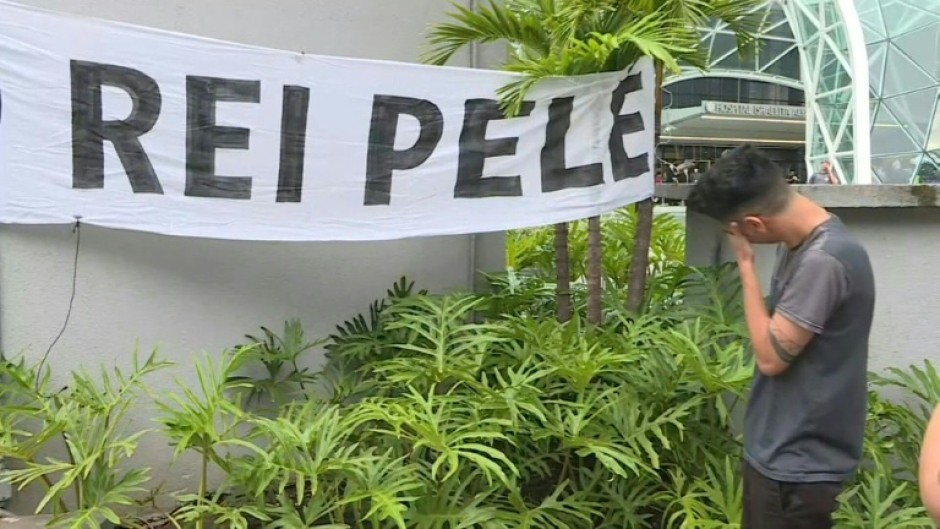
[465, 411]
[87, 421]
[448, 419]
[443, 418]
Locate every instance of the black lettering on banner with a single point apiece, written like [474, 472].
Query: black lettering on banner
[382, 159]
[555, 175]
[475, 149]
[622, 165]
[290, 181]
[203, 136]
[90, 130]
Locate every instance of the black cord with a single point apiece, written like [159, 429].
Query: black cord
[77, 230]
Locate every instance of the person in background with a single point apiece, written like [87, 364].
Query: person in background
[929, 478]
[825, 176]
[792, 177]
[804, 425]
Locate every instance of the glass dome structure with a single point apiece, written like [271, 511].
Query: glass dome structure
[902, 39]
[835, 75]
[777, 60]
[870, 70]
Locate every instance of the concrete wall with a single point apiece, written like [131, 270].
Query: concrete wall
[189, 295]
[900, 227]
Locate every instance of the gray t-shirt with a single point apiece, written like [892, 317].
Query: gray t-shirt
[808, 424]
[818, 179]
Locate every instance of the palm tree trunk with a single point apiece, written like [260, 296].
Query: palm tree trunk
[562, 273]
[644, 230]
[595, 284]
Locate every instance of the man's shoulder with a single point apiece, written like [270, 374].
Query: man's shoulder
[839, 243]
[841, 249]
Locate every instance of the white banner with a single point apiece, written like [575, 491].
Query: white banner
[135, 128]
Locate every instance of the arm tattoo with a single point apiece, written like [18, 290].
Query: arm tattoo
[786, 349]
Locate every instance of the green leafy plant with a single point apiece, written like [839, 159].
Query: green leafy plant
[885, 493]
[88, 422]
[210, 422]
[474, 411]
[280, 355]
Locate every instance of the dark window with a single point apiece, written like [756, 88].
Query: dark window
[691, 92]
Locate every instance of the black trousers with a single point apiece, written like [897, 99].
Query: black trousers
[770, 504]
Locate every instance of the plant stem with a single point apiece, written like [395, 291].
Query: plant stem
[203, 487]
[562, 272]
[595, 273]
[79, 484]
[565, 468]
[639, 264]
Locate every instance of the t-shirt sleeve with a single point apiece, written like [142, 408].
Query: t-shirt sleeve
[816, 288]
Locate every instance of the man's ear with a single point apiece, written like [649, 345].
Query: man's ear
[755, 223]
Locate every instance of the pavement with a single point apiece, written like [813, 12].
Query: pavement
[24, 522]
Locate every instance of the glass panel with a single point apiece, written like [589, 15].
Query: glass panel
[796, 97]
[778, 25]
[914, 111]
[830, 15]
[869, 11]
[888, 136]
[876, 66]
[932, 7]
[706, 42]
[735, 62]
[811, 49]
[871, 36]
[832, 117]
[847, 142]
[923, 46]
[840, 97]
[808, 27]
[819, 142]
[774, 49]
[724, 44]
[895, 169]
[729, 89]
[832, 73]
[787, 66]
[902, 75]
[901, 18]
[847, 175]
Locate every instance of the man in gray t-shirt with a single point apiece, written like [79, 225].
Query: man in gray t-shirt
[825, 176]
[805, 419]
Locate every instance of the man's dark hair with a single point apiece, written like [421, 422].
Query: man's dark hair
[744, 181]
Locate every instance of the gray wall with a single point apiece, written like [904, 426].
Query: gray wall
[189, 296]
[904, 246]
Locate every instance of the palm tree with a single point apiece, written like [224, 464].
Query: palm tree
[552, 38]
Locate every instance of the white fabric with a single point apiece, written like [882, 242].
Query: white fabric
[38, 176]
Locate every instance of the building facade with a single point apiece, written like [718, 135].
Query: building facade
[865, 74]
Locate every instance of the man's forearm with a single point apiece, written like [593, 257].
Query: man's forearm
[755, 311]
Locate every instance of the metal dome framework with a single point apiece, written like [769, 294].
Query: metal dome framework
[903, 42]
[826, 38]
[774, 62]
[835, 74]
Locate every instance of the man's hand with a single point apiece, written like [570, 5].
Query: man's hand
[743, 250]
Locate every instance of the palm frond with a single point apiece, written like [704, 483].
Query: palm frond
[520, 28]
[552, 38]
